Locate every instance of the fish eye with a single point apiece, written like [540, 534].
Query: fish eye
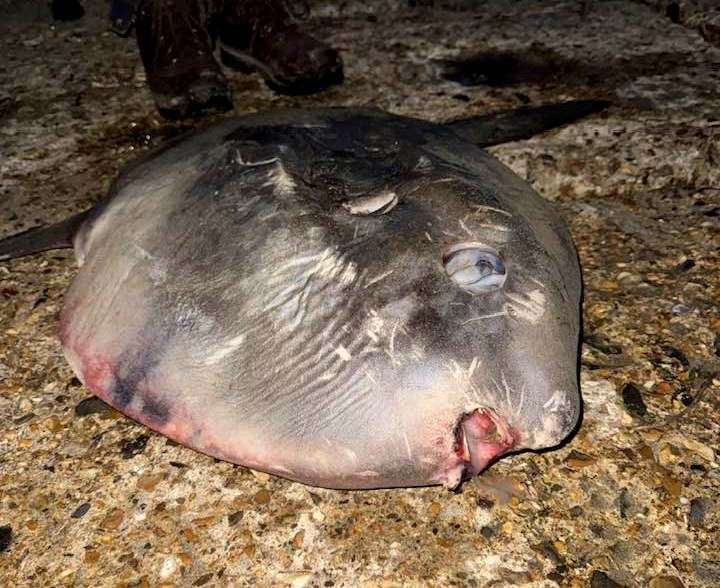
[475, 267]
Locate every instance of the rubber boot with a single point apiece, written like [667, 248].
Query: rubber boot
[177, 52]
[260, 35]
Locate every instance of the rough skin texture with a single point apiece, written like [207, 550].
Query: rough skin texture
[95, 499]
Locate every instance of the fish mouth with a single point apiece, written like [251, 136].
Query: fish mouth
[481, 436]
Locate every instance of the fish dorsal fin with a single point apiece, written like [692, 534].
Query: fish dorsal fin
[522, 123]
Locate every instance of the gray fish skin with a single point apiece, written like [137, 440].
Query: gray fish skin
[342, 297]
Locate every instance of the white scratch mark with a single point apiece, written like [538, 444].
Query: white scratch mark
[463, 226]
[376, 279]
[486, 316]
[473, 367]
[327, 376]
[530, 307]
[239, 160]
[392, 338]
[423, 164]
[343, 353]
[556, 402]
[492, 209]
[368, 474]
[523, 390]
[380, 202]
[370, 377]
[429, 238]
[508, 391]
[281, 469]
[225, 349]
[280, 181]
[350, 453]
[407, 446]
[500, 228]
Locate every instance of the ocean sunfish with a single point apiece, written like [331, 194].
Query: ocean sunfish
[343, 297]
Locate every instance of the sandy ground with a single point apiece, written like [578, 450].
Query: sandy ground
[90, 498]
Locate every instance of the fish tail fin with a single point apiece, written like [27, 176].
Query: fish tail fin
[38, 239]
[523, 123]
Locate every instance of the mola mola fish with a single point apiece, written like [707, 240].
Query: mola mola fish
[342, 297]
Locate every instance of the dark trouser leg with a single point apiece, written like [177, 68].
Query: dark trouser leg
[176, 50]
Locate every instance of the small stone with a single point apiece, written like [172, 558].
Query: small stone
[716, 344]
[53, 424]
[148, 482]
[204, 522]
[608, 286]
[113, 520]
[190, 535]
[34, 42]
[577, 460]
[684, 266]
[485, 503]
[698, 448]
[235, 517]
[202, 580]
[668, 455]
[672, 486]
[487, 532]
[548, 551]
[296, 579]
[168, 567]
[91, 556]
[80, 511]
[699, 507]
[681, 309]
[260, 476]
[90, 405]
[186, 559]
[298, 539]
[633, 400]
[666, 582]
[628, 279]
[262, 497]
[602, 580]
[663, 389]
[131, 448]
[21, 420]
[6, 537]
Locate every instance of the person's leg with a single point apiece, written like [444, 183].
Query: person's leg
[259, 35]
[177, 52]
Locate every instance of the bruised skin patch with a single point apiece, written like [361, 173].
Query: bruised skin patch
[99, 373]
[154, 409]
